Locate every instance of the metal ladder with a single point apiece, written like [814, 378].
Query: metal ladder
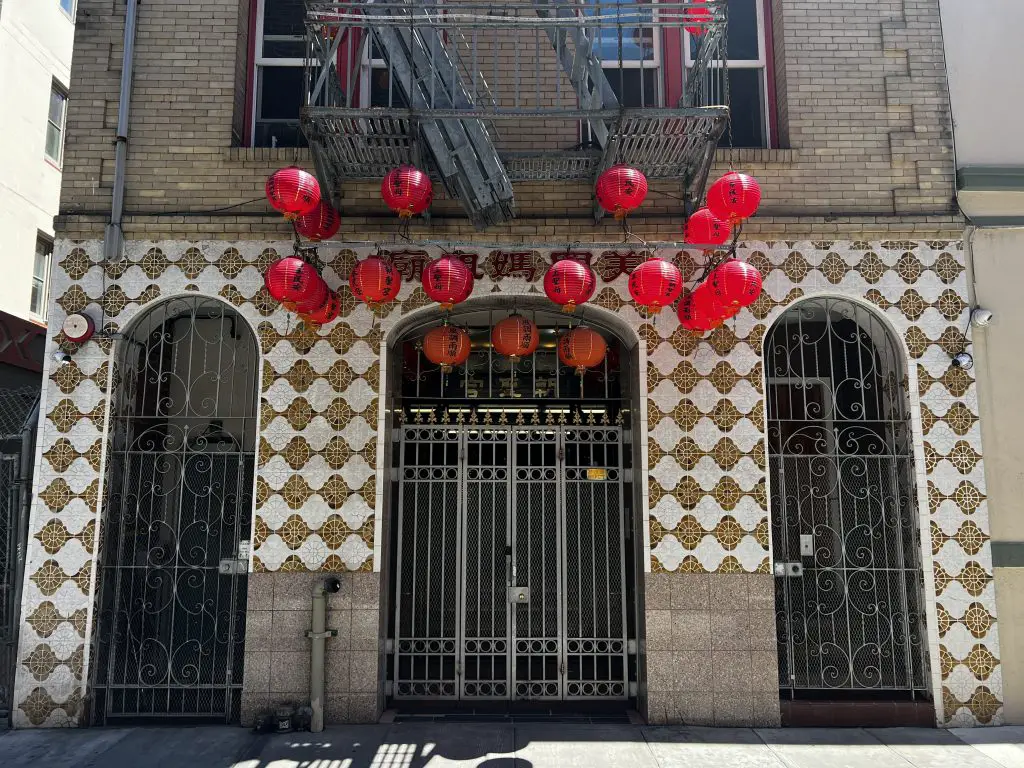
[580, 64]
[429, 79]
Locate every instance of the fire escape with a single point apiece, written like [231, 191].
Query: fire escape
[484, 94]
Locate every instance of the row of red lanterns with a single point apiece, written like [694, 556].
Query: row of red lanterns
[408, 191]
[296, 193]
[515, 337]
[447, 280]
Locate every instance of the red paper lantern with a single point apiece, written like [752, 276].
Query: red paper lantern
[696, 15]
[621, 189]
[293, 192]
[322, 223]
[293, 280]
[407, 191]
[515, 337]
[569, 282]
[447, 280]
[327, 312]
[314, 299]
[704, 228]
[374, 280]
[735, 283]
[655, 283]
[700, 311]
[582, 348]
[446, 346]
[734, 197]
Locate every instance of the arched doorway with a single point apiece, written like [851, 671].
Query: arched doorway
[177, 516]
[849, 601]
[514, 546]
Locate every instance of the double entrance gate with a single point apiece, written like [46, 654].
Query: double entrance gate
[511, 571]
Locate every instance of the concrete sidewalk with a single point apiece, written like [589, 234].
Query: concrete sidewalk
[437, 745]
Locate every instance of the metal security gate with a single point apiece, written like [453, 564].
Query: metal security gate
[19, 415]
[511, 571]
[845, 540]
[172, 580]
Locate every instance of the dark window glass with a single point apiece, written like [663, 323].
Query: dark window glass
[743, 37]
[284, 17]
[746, 103]
[280, 99]
[744, 41]
[280, 93]
[626, 83]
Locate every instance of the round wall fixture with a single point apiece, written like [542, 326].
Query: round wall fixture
[78, 328]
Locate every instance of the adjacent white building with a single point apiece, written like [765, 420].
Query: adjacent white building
[984, 63]
[36, 39]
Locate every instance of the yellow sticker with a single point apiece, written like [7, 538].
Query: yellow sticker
[597, 474]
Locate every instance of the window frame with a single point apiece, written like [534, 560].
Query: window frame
[70, 11]
[260, 61]
[764, 62]
[44, 283]
[56, 87]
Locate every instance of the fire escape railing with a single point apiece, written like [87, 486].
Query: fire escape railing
[484, 94]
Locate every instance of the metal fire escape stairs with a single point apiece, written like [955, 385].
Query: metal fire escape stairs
[447, 115]
[463, 151]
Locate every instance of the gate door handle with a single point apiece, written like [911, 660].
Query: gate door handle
[789, 570]
[233, 566]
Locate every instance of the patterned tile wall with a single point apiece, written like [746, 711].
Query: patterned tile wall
[320, 436]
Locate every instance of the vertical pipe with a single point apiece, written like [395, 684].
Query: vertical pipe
[113, 237]
[318, 635]
[316, 674]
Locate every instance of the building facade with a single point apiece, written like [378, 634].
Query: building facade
[989, 163]
[35, 67]
[784, 520]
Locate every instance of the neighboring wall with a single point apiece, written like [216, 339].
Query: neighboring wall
[35, 49]
[984, 60]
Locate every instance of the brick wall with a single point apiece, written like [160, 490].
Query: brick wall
[860, 86]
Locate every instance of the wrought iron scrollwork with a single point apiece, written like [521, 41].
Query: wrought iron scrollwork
[170, 627]
[843, 503]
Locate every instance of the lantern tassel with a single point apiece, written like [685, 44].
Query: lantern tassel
[569, 308]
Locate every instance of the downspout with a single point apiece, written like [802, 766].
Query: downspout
[318, 634]
[113, 237]
[28, 432]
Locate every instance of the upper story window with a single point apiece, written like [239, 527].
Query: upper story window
[280, 50]
[632, 53]
[40, 276]
[55, 123]
[748, 65]
[645, 65]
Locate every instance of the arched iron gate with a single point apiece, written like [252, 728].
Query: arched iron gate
[172, 583]
[843, 505]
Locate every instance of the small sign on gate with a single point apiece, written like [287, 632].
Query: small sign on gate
[597, 474]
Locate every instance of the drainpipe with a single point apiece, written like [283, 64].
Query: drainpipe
[28, 433]
[113, 238]
[319, 634]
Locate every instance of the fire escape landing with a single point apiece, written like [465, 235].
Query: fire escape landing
[484, 94]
